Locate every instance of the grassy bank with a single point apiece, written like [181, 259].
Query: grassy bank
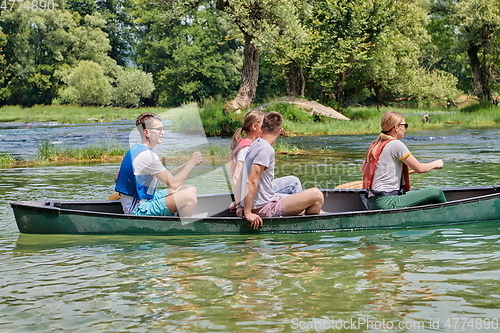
[364, 120]
[67, 114]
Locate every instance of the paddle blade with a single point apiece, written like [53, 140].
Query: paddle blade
[114, 196]
[351, 186]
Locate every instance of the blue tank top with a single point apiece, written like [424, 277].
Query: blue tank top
[134, 185]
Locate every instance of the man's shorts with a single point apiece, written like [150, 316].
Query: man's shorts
[154, 207]
[273, 208]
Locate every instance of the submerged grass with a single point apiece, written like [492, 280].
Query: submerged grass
[48, 153]
[6, 159]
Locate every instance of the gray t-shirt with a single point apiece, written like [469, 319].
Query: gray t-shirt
[262, 153]
[389, 170]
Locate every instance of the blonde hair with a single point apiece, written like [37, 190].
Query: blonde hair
[387, 123]
[252, 117]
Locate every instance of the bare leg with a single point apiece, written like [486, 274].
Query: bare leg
[308, 201]
[183, 201]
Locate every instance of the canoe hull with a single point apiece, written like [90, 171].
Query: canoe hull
[104, 217]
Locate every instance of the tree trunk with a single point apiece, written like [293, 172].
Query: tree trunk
[249, 77]
[339, 90]
[480, 85]
[295, 83]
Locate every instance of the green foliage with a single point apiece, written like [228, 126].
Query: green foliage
[48, 152]
[131, 86]
[361, 113]
[285, 147]
[291, 112]
[118, 24]
[216, 122]
[4, 90]
[86, 85]
[40, 44]
[197, 57]
[342, 52]
[6, 159]
[469, 46]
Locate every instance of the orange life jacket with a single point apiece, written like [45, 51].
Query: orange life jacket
[370, 165]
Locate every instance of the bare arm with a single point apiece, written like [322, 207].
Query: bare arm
[174, 182]
[252, 184]
[237, 179]
[418, 167]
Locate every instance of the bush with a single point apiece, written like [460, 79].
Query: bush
[291, 112]
[86, 85]
[6, 159]
[132, 85]
[216, 122]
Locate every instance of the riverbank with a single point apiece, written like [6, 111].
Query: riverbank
[68, 114]
[363, 120]
[50, 154]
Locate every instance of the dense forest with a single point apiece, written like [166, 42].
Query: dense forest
[167, 52]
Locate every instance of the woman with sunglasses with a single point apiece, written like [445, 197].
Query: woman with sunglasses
[386, 169]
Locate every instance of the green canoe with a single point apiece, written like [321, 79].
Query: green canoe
[346, 211]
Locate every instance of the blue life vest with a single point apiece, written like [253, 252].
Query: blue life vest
[134, 185]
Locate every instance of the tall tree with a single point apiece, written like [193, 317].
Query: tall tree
[347, 32]
[290, 49]
[192, 54]
[260, 22]
[474, 27]
[479, 27]
[118, 24]
[396, 68]
[4, 89]
[40, 44]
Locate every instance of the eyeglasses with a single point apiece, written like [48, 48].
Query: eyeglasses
[161, 129]
[405, 125]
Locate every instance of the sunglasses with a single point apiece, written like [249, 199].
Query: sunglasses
[405, 125]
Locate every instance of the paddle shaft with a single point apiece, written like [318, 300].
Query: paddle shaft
[358, 184]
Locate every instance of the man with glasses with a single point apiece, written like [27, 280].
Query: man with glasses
[141, 171]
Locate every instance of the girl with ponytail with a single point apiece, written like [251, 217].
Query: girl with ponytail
[386, 169]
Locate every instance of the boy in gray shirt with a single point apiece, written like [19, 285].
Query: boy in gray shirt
[259, 198]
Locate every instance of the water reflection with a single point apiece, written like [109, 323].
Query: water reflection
[233, 283]
[270, 283]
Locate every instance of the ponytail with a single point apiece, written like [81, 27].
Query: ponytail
[236, 138]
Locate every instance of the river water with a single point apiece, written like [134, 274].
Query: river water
[423, 280]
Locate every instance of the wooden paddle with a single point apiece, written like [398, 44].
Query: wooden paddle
[357, 184]
[116, 195]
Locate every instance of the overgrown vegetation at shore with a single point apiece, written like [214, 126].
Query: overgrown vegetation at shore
[297, 121]
[364, 120]
[68, 114]
[49, 153]
[6, 159]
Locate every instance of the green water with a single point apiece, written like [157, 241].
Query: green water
[427, 280]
